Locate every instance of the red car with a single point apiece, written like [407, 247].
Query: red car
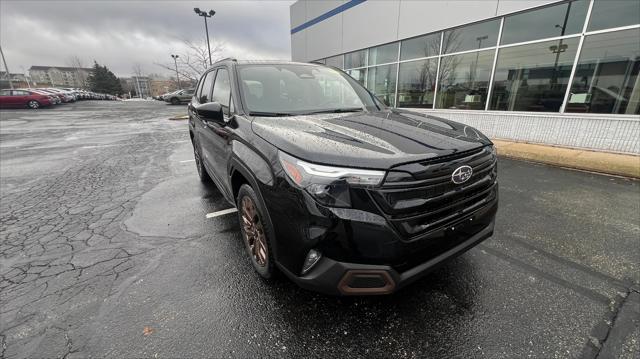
[23, 98]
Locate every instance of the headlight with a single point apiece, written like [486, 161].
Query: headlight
[327, 184]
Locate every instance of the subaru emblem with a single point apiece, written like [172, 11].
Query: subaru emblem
[461, 174]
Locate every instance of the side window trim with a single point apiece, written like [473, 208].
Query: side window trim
[230, 101]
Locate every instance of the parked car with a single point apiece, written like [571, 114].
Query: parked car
[55, 100]
[337, 191]
[63, 97]
[180, 96]
[23, 98]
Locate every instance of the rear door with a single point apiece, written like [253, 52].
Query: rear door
[203, 95]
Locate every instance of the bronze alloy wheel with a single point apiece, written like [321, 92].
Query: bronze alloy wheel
[254, 232]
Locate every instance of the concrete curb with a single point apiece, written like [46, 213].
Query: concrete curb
[603, 162]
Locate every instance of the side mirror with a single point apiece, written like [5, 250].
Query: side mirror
[210, 111]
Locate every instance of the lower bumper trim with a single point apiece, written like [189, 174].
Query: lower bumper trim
[338, 278]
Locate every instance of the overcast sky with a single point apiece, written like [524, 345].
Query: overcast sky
[122, 33]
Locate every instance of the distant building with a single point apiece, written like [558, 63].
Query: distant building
[58, 76]
[17, 80]
[137, 86]
[159, 87]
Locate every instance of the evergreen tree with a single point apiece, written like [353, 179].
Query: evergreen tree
[102, 80]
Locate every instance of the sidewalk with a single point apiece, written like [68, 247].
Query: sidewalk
[604, 162]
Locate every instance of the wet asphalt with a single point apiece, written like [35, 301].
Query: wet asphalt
[106, 252]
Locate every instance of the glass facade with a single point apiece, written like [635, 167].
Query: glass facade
[355, 59]
[518, 62]
[335, 61]
[381, 80]
[359, 75]
[606, 78]
[383, 54]
[614, 13]
[417, 83]
[552, 21]
[533, 77]
[423, 46]
[464, 80]
[471, 37]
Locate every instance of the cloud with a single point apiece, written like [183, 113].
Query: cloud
[122, 33]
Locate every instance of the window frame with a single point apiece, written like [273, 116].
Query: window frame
[213, 86]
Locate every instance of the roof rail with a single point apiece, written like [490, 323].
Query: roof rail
[228, 58]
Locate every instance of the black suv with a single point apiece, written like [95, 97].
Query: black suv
[334, 189]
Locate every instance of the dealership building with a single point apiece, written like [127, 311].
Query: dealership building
[554, 72]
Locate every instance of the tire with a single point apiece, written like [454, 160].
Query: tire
[33, 104]
[202, 172]
[175, 101]
[256, 233]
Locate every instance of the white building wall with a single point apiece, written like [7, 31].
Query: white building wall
[375, 22]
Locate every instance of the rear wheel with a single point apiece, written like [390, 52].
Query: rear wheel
[33, 104]
[255, 231]
[175, 101]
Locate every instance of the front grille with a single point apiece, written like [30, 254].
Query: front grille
[423, 197]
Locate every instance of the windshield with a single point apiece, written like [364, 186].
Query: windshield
[300, 89]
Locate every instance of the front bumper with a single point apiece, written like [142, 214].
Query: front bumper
[342, 278]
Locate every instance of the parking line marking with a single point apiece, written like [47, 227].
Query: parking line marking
[221, 213]
[187, 161]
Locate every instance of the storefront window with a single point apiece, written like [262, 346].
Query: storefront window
[336, 61]
[552, 21]
[606, 79]
[423, 46]
[614, 13]
[359, 75]
[383, 54]
[533, 77]
[381, 81]
[475, 36]
[355, 59]
[416, 83]
[464, 80]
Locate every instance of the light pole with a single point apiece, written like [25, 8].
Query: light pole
[6, 68]
[175, 61]
[206, 28]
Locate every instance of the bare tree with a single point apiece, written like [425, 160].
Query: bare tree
[76, 62]
[194, 61]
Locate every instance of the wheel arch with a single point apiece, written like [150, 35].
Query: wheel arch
[240, 174]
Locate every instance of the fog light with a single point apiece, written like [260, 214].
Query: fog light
[312, 258]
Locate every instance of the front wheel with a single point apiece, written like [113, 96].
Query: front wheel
[255, 231]
[202, 172]
[175, 101]
[33, 104]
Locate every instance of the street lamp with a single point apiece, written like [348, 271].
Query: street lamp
[206, 28]
[175, 61]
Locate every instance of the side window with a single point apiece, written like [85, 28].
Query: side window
[222, 90]
[5, 93]
[204, 91]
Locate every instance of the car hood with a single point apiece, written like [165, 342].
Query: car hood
[377, 140]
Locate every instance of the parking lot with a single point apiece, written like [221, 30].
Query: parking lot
[106, 252]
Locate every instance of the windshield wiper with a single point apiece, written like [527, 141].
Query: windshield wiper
[337, 110]
[269, 114]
